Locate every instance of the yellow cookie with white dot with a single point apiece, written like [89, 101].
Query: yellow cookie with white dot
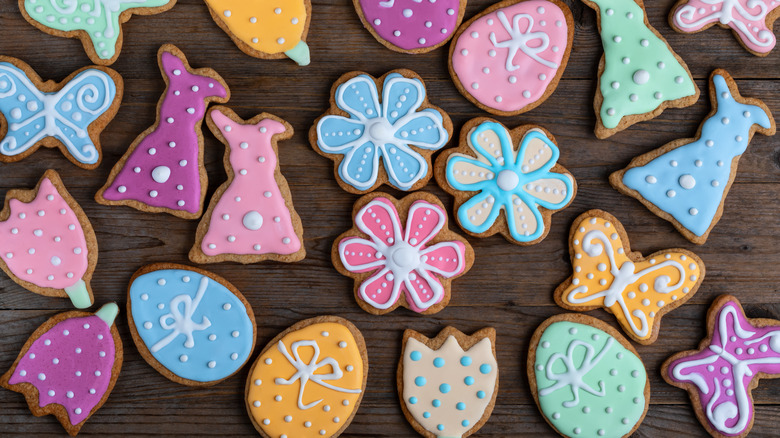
[309, 380]
[268, 29]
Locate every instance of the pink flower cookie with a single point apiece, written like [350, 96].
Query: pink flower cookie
[48, 245]
[162, 171]
[69, 366]
[251, 216]
[395, 265]
[509, 58]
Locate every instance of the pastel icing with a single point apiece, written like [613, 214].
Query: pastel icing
[636, 292]
[392, 131]
[448, 390]
[721, 373]
[308, 384]
[66, 115]
[507, 59]
[410, 24]
[641, 72]
[747, 18]
[251, 216]
[588, 384]
[191, 324]
[164, 168]
[101, 20]
[43, 243]
[517, 181]
[268, 26]
[690, 182]
[71, 364]
[399, 258]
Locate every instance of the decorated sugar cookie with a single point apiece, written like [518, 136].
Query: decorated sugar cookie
[69, 115]
[411, 26]
[637, 290]
[387, 139]
[639, 75]
[69, 366]
[192, 326]
[162, 170]
[512, 174]
[448, 384]
[309, 380]
[97, 23]
[686, 181]
[586, 378]
[722, 373]
[750, 20]
[48, 245]
[401, 253]
[509, 58]
[251, 217]
[266, 29]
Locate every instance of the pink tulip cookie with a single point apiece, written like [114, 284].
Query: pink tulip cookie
[401, 253]
[69, 366]
[251, 216]
[162, 171]
[48, 245]
[509, 58]
[411, 26]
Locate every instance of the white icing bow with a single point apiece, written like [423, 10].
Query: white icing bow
[519, 40]
[573, 375]
[183, 323]
[731, 13]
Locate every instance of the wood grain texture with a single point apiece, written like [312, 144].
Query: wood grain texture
[509, 287]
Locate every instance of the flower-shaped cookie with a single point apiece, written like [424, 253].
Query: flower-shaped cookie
[385, 258]
[488, 175]
[401, 128]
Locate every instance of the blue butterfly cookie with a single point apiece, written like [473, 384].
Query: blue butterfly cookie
[69, 115]
[192, 326]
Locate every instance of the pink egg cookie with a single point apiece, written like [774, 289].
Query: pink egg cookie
[509, 58]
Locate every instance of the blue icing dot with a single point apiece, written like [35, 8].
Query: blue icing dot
[420, 381]
[468, 380]
[426, 414]
[485, 368]
[413, 400]
[465, 361]
[465, 423]
[438, 362]
[480, 394]
[444, 388]
[436, 403]
[440, 427]
[415, 355]
[460, 406]
[179, 296]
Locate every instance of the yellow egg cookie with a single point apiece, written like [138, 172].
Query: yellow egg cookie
[267, 29]
[309, 380]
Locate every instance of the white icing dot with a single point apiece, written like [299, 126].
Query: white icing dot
[687, 181]
[641, 77]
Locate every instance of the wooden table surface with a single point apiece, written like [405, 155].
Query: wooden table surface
[509, 287]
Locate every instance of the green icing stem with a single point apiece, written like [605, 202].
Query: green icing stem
[641, 72]
[108, 313]
[79, 295]
[300, 54]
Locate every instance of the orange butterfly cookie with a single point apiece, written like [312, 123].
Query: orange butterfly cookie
[637, 290]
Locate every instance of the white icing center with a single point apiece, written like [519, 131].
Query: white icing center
[253, 220]
[687, 181]
[161, 174]
[507, 180]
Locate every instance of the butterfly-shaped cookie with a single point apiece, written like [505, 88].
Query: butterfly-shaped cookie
[721, 374]
[69, 115]
[637, 290]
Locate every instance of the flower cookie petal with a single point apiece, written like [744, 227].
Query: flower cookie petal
[422, 290]
[468, 175]
[537, 152]
[479, 213]
[404, 166]
[491, 140]
[360, 255]
[446, 258]
[380, 221]
[401, 96]
[381, 290]
[424, 222]
[335, 134]
[552, 192]
[424, 129]
[360, 166]
[359, 97]
[525, 222]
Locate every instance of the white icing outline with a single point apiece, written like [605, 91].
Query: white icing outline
[725, 16]
[573, 375]
[183, 324]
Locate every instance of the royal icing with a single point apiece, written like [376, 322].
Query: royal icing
[43, 242]
[747, 18]
[448, 390]
[66, 115]
[690, 182]
[641, 72]
[308, 383]
[722, 373]
[194, 326]
[411, 24]
[400, 259]
[100, 20]
[267, 26]
[636, 292]
[507, 59]
[71, 364]
[588, 384]
[163, 169]
[393, 131]
[251, 217]
[517, 181]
